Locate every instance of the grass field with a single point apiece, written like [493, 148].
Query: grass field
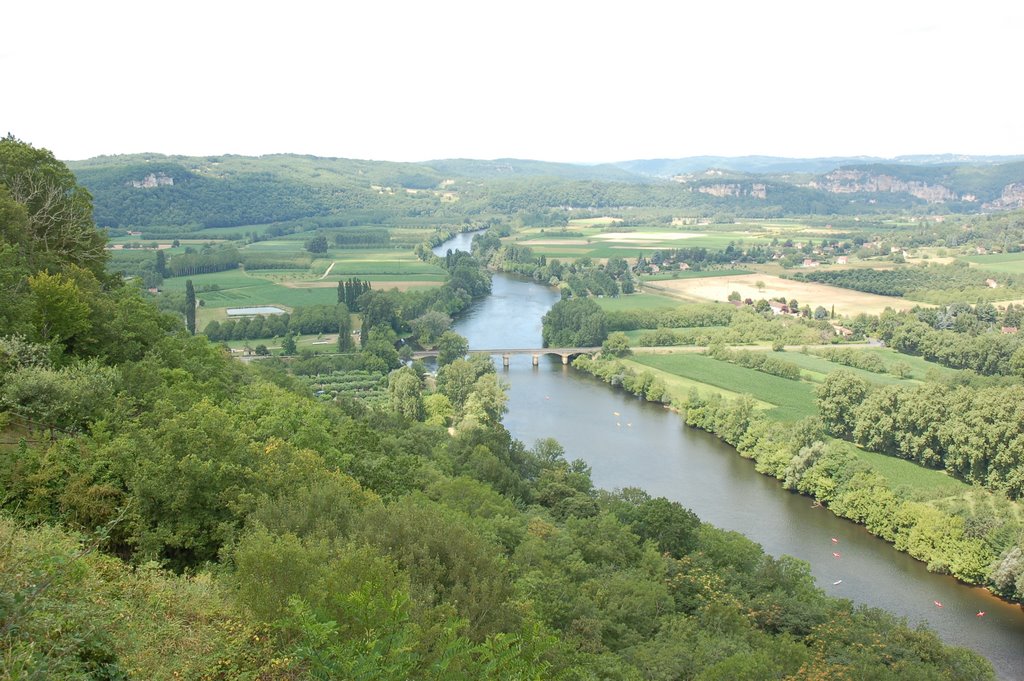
[815, 369]
[1010, 263]
[681, 386]
[792, 400]
[846, 301]
[597, 243]
[637, 301]
[693, 274]
[928, 482]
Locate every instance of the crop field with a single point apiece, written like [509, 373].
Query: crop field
[927, 482]
[815, 369]
[637, 301]
[693, 274]
[595, 243]
[846, 301]
[315, 285]
[680, 385]
[920, 368]
[634, 335]
[793, 400]
[1009, 263]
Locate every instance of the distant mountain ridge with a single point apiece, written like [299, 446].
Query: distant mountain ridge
[666, 167]
[228, 190]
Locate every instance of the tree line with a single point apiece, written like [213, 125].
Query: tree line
[972, 433]
[309, 319]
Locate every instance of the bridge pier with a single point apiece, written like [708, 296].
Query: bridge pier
[505, 360]
[536, 359]
[565, 359]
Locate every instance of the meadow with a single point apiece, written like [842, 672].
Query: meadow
[595, 242]
[792, 400]
[1008, 263]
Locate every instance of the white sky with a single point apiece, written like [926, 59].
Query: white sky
[558, 80]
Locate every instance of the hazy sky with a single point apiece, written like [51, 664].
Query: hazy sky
[554, 80]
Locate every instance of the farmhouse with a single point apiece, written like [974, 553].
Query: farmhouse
[778, 308]
[991, 283]
[810, 263]
[842, 260]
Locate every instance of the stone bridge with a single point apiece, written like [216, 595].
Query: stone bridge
[506, 353]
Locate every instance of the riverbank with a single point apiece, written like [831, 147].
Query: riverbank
[830, 471]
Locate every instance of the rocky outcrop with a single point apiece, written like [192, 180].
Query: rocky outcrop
[756, 190]
[860, 181]
[152, 180]
[1011, 198]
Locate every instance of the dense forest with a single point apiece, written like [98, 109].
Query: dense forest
[169, 512]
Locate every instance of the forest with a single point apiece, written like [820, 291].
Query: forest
[169, 512]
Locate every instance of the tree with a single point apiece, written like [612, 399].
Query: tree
[574, 322]
[58, 227]
[405, 393]
[450, 347]
[161, 263]
[838, 396]
[734, 297]
[190, 307]
[617, 344]
[288, 344]
[430, 325]
[820, 313]
[344, 328]
[317, 244]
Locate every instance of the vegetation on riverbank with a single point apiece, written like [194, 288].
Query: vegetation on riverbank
[978, 544]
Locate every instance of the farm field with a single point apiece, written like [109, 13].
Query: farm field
[846, 301]
[680, 385]
[1009, 263]
[693, 274]
[927, 482]
[793, 400]
[815, 369]
[596, 243]
[648, 300]
[292, 288]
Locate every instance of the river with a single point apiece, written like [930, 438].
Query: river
[649, 447]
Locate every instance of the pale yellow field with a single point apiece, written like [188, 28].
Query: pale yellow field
[555, 242]
[846, 302]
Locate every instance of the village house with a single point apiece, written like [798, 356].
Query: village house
[810, 263]
[842, 260]
[991, 283]
[778, 308]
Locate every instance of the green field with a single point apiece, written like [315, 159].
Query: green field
[816, 368]
[927, 482]
[1010, 263]
[793, 400]
[595, 243]
[681, 386]
[693, 274]
[637, 301]
[634, 336]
